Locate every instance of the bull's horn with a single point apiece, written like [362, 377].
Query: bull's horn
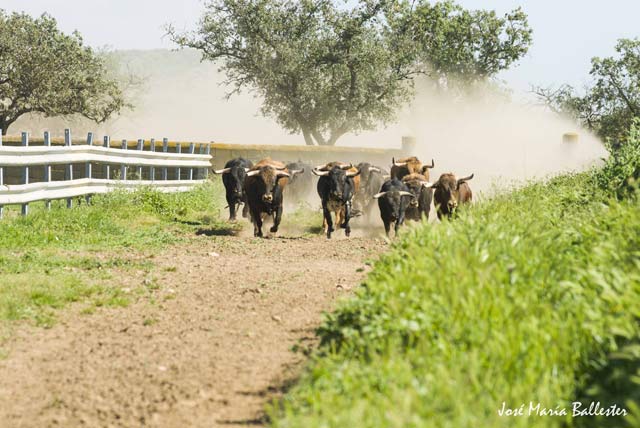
[222, 171]
[374, 168]
[426, 184]
[320, 173]
[296, 171]
[405, 193]
[247, 169]
[283, 174]
[393, 160]
[346, 167]
[281, 168]
[462, 180]
[353, 174]
[252, 173]
[432, 164]
[321, 167]
[379, 195]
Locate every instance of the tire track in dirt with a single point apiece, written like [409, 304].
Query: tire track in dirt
[208, 349]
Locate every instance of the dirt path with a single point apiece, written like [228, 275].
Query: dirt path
[207, 348]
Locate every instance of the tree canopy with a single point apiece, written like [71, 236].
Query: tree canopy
[43, 70]
[324, 69]
[611, 102]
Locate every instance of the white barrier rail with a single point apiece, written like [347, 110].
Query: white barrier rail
[193, 166]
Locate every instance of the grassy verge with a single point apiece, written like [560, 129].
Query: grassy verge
[530, 297]
[49, 259]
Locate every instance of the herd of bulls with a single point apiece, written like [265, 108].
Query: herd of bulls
[345, 190]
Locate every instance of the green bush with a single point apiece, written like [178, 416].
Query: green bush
[520, 299]
[621, 172]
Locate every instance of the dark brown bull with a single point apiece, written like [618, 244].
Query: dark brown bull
[410, 165]
[420, 203]
[449, 193]
[263, 186]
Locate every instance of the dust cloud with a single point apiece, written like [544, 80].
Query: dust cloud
[498, 140]
[501, 141]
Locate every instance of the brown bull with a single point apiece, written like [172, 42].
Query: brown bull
[410, 165]
[449, 193]
[263, 186]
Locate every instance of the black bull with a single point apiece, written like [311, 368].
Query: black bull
[233, 176]
[393, 200]
[336, 187]
[264, 186]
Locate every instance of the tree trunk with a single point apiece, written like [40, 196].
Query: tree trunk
[308, 139]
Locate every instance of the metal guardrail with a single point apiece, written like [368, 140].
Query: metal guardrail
[119, 168]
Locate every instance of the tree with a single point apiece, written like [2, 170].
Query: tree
[459, 47]
[45, 71]
[324, 70]
[611, 102]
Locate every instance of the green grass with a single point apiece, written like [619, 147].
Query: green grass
[51, 258]
[531, 296]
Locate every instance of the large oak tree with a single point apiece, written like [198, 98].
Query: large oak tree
[45, 71]
[324, 69]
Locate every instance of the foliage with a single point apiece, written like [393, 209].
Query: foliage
[45, 71]
[324, 69]
[468, 45]
[621, 172]
[612, 101]
[519, 299]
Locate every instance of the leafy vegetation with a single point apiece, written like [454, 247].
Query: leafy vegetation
[45, 71]
[49, 259]
[612, 101]
[325, 68]
[533, 296]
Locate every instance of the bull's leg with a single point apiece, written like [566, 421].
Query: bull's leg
[257, 223]
[245, 210]
[328, 222]
[232, 209]
[399, 223]
[277, 217]
[347, 217]
[387, 226]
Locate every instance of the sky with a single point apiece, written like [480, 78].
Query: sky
[567, 33]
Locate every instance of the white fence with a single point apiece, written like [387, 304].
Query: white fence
[98, 169]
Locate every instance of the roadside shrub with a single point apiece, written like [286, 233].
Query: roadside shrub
[519, 300]
[621, 172]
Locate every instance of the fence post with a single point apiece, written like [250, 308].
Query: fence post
[152, 170]
[165, 149]
[47, 168]
[141, 148]
[1, 177]
[88, 169]
[106, 142]
[178, 169]
[123, 167]
[25, 171]
[207, 151]
[192, 148]
[199, 171]
[69, 169]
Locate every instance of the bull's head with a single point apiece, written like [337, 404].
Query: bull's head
[269, 178]
[338, 176]
[447, 192]
[234, 180]
[416, 183]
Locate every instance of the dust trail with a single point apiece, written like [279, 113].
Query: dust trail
[499, 140]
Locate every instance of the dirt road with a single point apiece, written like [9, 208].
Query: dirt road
[208, 346]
